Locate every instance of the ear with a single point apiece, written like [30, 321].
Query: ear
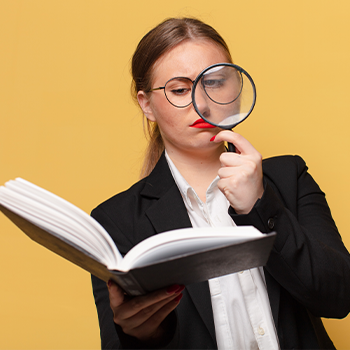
[145, 104]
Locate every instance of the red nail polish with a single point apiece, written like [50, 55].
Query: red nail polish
[172, 289]
[213, 138]
[180, 289]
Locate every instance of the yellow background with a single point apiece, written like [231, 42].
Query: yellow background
[69, 125]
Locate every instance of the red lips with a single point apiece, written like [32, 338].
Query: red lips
[201, 124]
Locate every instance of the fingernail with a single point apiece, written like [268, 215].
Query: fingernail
[173, 289]
[180, 289]
[213, 138]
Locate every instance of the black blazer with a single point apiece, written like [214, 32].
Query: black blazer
[307, 274]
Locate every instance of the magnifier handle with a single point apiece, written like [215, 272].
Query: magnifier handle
[231, 147]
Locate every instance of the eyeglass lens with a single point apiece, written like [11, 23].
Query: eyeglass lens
[222, 85]
[178, 91]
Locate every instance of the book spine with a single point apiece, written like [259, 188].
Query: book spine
[128, 283]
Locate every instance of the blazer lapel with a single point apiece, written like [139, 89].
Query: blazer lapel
[168, 212]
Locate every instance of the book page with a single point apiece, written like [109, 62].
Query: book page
[185, 241]
[54, 214]
[58, 203]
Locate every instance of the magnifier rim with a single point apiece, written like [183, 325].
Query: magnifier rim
[241, 70]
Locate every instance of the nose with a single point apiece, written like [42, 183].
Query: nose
[202, 103]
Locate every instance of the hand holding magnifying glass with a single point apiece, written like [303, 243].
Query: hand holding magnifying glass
[224, 95]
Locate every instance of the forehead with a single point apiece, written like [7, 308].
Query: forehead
[187, 59]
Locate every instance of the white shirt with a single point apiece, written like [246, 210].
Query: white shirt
[241, 308]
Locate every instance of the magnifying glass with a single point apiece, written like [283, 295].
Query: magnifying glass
[224, 95]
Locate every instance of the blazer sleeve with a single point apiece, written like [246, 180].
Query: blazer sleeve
[309, 258]
[112, 336]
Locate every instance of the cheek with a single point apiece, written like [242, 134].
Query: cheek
[168, 116]
[169, 123]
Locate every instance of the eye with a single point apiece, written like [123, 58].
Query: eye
[179, 87]
[213, 83]
[180, 91]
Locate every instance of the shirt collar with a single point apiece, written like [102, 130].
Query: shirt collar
[185, 189]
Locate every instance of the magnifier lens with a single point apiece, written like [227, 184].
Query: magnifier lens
[224, 95]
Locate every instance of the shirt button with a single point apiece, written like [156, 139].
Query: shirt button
[261, 331]
[271, 223]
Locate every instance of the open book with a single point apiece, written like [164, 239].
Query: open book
[181, 256]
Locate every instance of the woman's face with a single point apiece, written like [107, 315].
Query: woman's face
[178, 126]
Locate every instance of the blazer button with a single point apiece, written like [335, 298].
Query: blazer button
[271, 223]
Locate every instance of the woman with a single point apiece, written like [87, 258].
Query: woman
[189, 180]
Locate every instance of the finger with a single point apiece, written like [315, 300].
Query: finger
[231, 186]
[147, 313]
[243, 167]
[136, 304]
[230, 159]
[153, 323]
[227, 172]
[116, 294]
[243, 146]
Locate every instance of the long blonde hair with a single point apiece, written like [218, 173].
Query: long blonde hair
[152, 46]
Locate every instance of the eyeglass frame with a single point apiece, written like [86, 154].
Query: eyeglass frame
[163, 88]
